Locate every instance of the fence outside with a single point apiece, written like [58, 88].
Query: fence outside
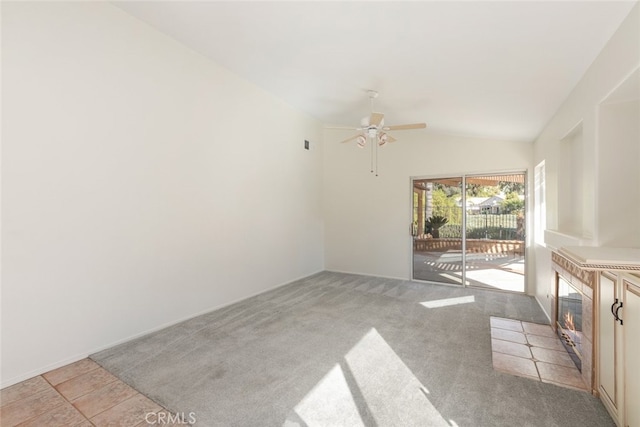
[486, 226]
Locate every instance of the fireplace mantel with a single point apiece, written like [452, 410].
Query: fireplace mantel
[570, 268]
[593, 258]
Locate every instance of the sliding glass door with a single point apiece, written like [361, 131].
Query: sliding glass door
[495, 231]
[474, 237]
[437, 230]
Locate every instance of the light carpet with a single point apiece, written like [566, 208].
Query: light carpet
[339, 349]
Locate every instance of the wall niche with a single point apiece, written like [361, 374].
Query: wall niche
[571, 183]
[619, 165]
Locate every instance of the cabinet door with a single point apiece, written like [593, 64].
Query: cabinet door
[607, 347]
[631, 328]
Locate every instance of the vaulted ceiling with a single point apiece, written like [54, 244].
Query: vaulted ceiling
[483, 69]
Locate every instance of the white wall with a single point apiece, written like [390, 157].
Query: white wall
[142, 184]
[368, 218]
[616, 62]
[619, 184]
[570, 183]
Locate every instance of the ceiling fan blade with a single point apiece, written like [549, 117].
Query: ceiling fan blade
[406, 127]
[351, 138]
[376, 119]
[343, 127]
[390, 138]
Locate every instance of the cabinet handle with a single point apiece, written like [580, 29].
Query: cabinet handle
[616, 314]
[613, 306]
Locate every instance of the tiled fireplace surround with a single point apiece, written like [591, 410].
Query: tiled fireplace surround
[585, 282]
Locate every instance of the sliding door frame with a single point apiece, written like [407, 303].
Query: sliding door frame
[463, 178]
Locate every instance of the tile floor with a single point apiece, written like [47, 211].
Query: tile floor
[77, 395]
[533, 351]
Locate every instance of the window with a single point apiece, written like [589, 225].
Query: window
[540, 213]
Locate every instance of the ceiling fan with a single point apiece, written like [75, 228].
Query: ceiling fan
[373, 128]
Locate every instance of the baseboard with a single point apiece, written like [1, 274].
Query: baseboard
[84, 355]
[42, 370]
[367, 274]
[543, 310]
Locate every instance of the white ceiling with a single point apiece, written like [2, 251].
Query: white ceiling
[484, 69]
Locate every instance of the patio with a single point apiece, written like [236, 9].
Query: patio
[490, 264]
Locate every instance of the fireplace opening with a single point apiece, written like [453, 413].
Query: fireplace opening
[569, 320]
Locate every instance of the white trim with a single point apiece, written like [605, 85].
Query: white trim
[573, 130]
[622, 81]
[539, 223]
[369, 275]
[463, 231]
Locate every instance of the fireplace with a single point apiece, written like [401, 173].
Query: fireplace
[572, 313]
[569, 320]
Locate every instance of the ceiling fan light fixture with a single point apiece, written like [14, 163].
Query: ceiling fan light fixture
[373, 128]
[382, 139]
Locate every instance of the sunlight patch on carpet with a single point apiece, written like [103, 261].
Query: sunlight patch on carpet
[370, 386]
[448, 301]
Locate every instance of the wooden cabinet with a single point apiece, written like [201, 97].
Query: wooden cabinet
[617, 319]
[631, 333]
[619, 346]
[610, 341]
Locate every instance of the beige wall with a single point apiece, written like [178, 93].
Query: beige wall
[605, 157]
[142, 184]
[368, 218]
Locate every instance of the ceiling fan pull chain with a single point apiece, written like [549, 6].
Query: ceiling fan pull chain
[376, 159]
[371, 157]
